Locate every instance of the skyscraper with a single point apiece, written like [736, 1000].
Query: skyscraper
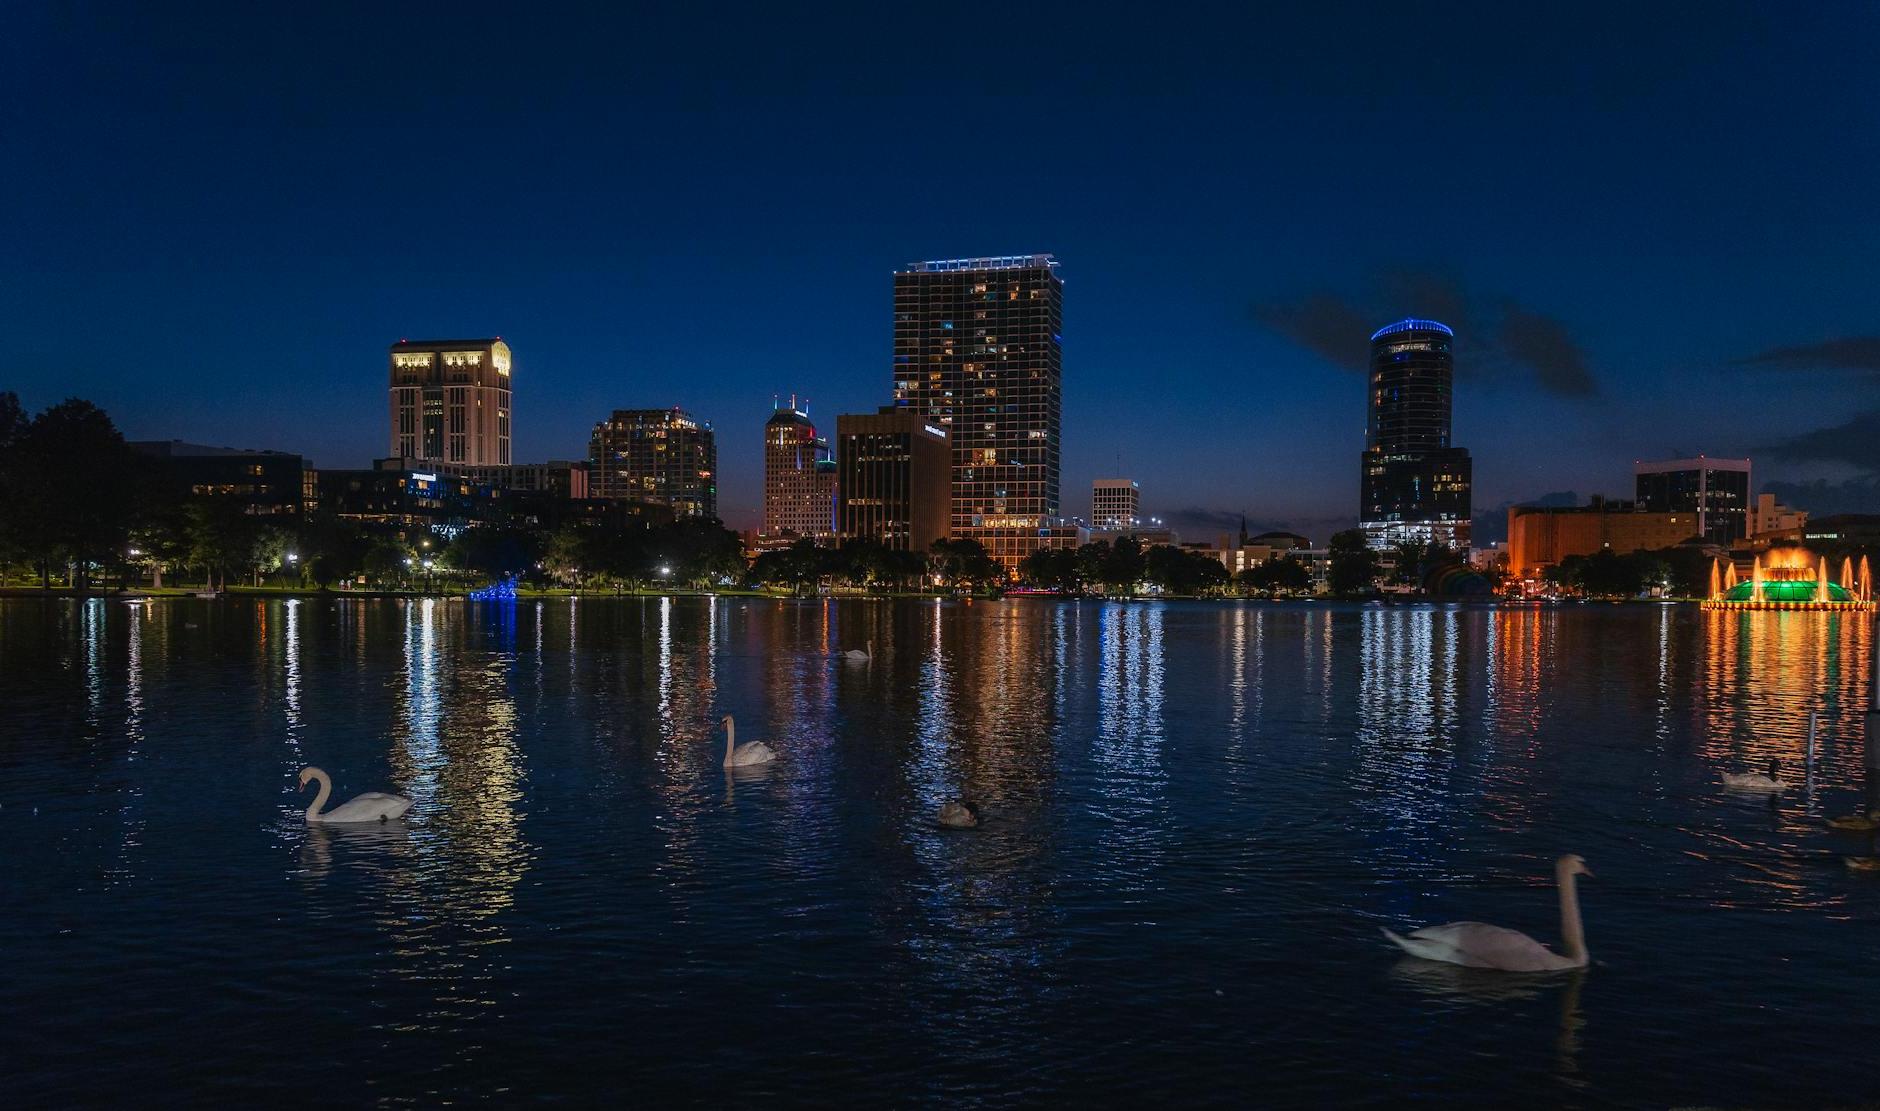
[657, 455]
[1416, 483]
[451, 401]
[1717, 490]
[978, 351]
[799, 477]
[1115, 504]
[895, 478]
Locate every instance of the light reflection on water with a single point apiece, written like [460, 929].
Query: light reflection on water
[1195, 818]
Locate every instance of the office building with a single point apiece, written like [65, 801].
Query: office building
[1541, 536]
[799, 477]
[451, 401]
[266, 483]
[398, 491]
[557, 478]
[1716, 490]
[894, 478]
[978, 352]
[1415, 481]
[666, 456]
[1115, 505]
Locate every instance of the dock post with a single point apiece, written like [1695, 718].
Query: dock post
[1873, 717]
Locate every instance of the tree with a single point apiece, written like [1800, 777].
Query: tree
[70, 484]
[221, 538]
[1124, 566]
[1277, 575]
[497, 553]
[799, 566]
[1052, 569]
[564, 554]
[1179, 571]
[1353, 563]
[964, 564]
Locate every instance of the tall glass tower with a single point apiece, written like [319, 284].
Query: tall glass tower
[1416, 483]
[978, 350]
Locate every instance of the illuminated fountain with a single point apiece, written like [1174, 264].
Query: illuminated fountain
[1793, 579]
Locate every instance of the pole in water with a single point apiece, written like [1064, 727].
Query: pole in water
[1873, 717]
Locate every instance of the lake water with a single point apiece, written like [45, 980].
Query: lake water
[1197, 817]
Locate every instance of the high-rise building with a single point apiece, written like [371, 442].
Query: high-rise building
[665, 456]
[799, 477]
[1415, 482]
[1115, 504]
[1717, 490]
[894, 479]
[978, 351]
[451, 401]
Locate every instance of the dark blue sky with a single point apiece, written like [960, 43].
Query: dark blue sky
[1654, 233]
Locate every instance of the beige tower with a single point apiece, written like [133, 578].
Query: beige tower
[450, 401]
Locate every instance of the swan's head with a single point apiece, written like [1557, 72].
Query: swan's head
[725, 721]
[1573, 864]
[306, 777]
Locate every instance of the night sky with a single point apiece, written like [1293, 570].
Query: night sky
[1654, 234]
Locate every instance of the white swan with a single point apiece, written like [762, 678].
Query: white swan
[1476, 945]
[372, 806]
[737, 755]
[857, 656]
[1756, 781]
[959, 814]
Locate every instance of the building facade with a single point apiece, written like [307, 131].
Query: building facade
[665, 456]
[1541, 536]
[1769, 519]
[1115, 505]
[894, 478]
[1415, 482]
[266, 483]
[1716, 490]
[560, 478]
[451, 401]
[978, 351]
[799, 477]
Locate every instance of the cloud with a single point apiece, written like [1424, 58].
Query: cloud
[1543, 345]
[1856, 442]
[1821, 498]
[1326, 325]
[1497, 336]
[1201, 523]
[1848, 353]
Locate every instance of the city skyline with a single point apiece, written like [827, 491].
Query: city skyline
[1592, 252]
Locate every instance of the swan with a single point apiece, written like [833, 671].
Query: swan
[857, 656]
[1476, 945]
[372, 806]
[1857, 823]
[737, 755]
[1756, 781]
[959, 814]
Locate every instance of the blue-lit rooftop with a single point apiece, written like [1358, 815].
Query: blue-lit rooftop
[994, 262]
[1411, 324]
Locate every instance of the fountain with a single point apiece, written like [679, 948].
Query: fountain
[1793, 579]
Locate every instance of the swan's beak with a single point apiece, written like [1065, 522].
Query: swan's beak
[1587, 872]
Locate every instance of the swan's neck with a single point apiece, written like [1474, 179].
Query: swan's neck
[1572, 933]
[731, 737]
[319, 800]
